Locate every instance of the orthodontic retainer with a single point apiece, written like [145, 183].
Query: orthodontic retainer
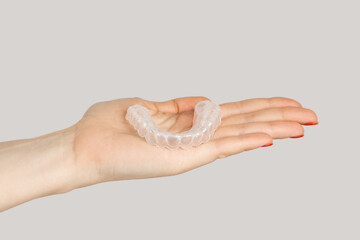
[207, 118]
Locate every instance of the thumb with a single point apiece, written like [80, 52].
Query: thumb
[179, 105]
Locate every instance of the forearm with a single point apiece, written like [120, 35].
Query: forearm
[38, 167]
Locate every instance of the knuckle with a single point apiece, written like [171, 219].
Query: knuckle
[283, 113]
[249, 117]
[272, 126]
[137, 99]
[285, 101]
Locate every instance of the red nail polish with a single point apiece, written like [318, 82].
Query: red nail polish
[300, 136]
[268, 145]
[311, 123]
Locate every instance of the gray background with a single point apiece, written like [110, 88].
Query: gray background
[59, 57]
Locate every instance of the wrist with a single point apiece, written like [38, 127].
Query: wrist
[71, 171]
[40, 166]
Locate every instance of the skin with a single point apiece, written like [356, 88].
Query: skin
[103, 146]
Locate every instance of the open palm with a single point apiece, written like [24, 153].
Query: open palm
[109, 146]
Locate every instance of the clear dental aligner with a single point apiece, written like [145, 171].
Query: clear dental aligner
[207, 118]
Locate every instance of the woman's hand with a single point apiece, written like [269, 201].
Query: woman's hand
[103, 146]
[109, 148]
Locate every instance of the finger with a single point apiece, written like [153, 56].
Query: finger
[256, 104]
[300, 115]
[228, 146]
[178, 105]
[276, 129]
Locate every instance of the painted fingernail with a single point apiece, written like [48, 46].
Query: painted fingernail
[300, 136]
[268, 145]
[311, 123]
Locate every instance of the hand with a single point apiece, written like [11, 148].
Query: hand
[109, 148]
[103, 146]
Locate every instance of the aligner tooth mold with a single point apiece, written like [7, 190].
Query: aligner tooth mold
[207, 118]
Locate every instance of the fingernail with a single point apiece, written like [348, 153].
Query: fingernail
[311, 123]
[268, 145]
[300, 136]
